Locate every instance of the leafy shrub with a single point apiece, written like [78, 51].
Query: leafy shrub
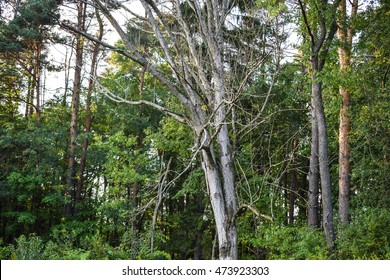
[6, 251]
[64, 243]
[291, 243]
[367, 236]
[158, 255]
[55, 251]
[30, 248]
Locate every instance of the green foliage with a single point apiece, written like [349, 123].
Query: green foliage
[29, 24]
[367, 236]
[290, 243]
[30, 182]
[6, 251]
[158, 255]
[30, 248]
[54, 251]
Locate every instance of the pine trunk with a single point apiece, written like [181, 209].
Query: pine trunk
[70, 191]
[88, 116]
[344, 34]
[37, 76]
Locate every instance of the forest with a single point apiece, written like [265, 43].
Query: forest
[194, 129]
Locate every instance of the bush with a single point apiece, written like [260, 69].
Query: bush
[158, 255]
[291, 243]
[54, 251]
[30, 248]
[367, 236]
[6, 251]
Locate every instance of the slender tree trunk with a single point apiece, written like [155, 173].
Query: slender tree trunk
[200, 210]
[69, 195]
[320, 40]
[159, 200]
[67, 60]
[314, 175]
[294, 185]
[37, 75]
[344, 157]
[344, 34]
[135, 223]
[326, 192]
[30, 93]
[88, 114]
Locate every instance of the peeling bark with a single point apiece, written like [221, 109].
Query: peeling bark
[344, 33]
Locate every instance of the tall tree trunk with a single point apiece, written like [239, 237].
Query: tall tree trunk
[344, 34]
[135, 219]
[220, 172]
[314, 175]
[224, 190]
[320, 40]
[37, 76]
[223, 212]
[67, 61]
[88, 114]
[326, 192]
[69, 195]
[30, 92]
[294, 185]
[219, 175]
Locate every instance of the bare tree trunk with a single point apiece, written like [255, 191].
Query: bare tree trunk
[37, 76]
[314, 175]
[135, 219]
[326, 192]
[220, 182]
[88, 114]
[320, 40]
[67, 61]
[294, 185]
[344, 157]
[159, 200]
[30, 92]
[344, 34]
[69, 195]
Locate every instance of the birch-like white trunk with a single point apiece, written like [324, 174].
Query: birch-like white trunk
[223, 204]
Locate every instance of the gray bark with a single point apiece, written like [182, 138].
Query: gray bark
[220, 200]
[320, 40]
[314, 175]
[326, 192]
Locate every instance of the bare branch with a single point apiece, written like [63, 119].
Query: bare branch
[160, 108]
[242, 209]
[66, 25]
[307, 24]
[139, 58]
